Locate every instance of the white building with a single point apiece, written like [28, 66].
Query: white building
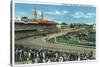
[17, 19]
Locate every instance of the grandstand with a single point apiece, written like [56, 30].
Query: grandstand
[22, 29]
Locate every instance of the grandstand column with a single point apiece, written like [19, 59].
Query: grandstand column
[55, 39]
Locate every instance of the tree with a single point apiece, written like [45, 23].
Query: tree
[63, 23]
[72, 25]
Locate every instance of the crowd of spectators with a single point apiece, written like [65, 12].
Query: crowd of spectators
[23, 54]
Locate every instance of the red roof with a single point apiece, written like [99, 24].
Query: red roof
[39, 21]
[44, 21]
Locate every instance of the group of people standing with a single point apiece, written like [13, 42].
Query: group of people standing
[23, 54]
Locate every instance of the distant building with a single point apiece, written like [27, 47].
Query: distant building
[21, 19]
[17, 19]
[60, 26]
[24, 19]
[41, 20]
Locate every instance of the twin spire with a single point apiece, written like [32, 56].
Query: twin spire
[35, 13]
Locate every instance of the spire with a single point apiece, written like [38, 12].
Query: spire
[41, 13]
[35, 14]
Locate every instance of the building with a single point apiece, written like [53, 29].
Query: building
[24, 19]
[17, 19]
[41, 19]
[24, 27]
[63, 27]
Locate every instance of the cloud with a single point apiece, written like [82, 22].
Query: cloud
[83, 15]
[91, 14]
[78, 14]
[22, 13]
[57, 12]
[65, 12]
[53, 12]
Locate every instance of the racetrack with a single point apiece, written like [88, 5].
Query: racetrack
[40, 43]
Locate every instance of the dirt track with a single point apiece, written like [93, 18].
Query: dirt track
[39, 43]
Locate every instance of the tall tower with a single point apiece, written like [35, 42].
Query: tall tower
[35, 14]
[41, 14]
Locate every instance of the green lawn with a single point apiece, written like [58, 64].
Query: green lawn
[62, 39]
[68, 41]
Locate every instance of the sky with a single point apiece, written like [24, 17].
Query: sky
[59, 13]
